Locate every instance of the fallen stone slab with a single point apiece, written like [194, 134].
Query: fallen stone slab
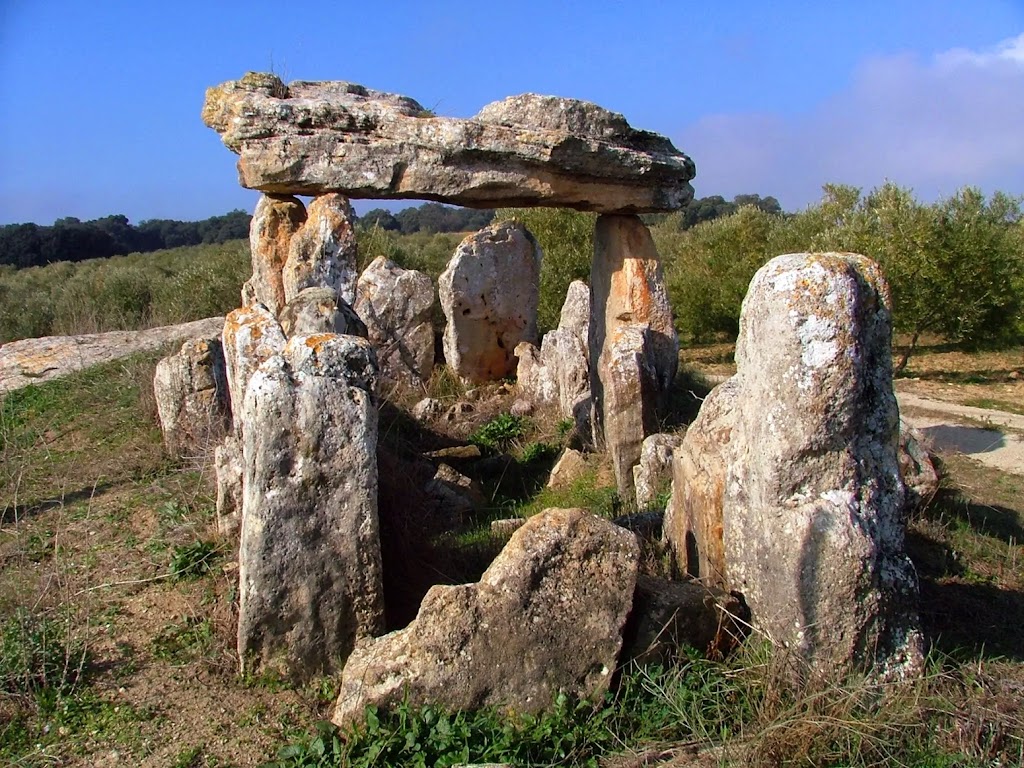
[308, 138]
[31, 361]
[546, 617]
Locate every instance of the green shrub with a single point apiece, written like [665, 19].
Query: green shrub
[190, 561]
[500, 432]
[38, 656]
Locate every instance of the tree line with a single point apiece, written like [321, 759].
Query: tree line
[69, 239]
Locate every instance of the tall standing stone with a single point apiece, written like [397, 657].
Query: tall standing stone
[811, 507]
[251, 335]
[489, 294]
[309, 557]
[627, 290]
[322, 252]
[276, 220]
[397, 306]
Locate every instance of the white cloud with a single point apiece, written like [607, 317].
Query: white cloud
[935, 125]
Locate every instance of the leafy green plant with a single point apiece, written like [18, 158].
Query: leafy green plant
[500, 432]
[190, 561]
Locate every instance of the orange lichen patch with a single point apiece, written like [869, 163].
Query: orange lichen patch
[316, 341]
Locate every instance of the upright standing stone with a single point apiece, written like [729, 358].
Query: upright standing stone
[192, 397]
[812, 508]
[397, 305]
[654, 472]
[323, 252]
[309, 558]
[251, 335]
[627, 288]
[489, 294]
[545, 618]
[276, 220]
[320, 310]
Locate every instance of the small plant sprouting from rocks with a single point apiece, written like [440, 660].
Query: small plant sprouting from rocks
[500, 432]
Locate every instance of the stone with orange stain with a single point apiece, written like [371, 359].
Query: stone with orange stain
[275, 222]
[322, 252]
[489, 294]
[628, 289]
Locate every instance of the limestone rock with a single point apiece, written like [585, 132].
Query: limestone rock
[397, 304]
[251, 335]
[628, 374]
[559, 372]
[916, 467]
[33, 361]
[694, 517]
[568, 469]
[309, 556]
[228, 467]
[546, 617]
[427, 409]
[521, 407]
[628, 294]
[192, 397]
[323, 252]
[669, 616]
[461, 495]
[308, 138]
[275, 222]
[812, 511]
[320, 310]
[489, 293]
[654, 472]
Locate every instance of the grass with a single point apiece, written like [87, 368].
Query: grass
[117, 600]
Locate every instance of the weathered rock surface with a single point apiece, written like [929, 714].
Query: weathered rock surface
[916, 466]
[489, 293]
[192, 399]
[313, 137]
[320, 310]
[694, 517]
[427, 409]
[669, 616]
[228, 467]
[654, 472]
[32, 361]
[571, 465]
[275, 222]
[251, 335]
[633, 344]
[459, 494]
[559, 372]
[396, 304]
[322, 253]
[309, 556]
[629, 398]
[811, 500]
[546, 617]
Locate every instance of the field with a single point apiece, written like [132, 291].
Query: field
[117, 604]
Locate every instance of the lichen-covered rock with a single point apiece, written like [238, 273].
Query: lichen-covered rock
[489, 293]
[546, 617]
[559, 372]
[227, 465]
[251, 335]
[629, 401]
[654, 472]
[309, 554]
[275, 222]
[397, 305]
[320, 310]
[192, 399]
[427, 409]
[308, 138]
[628, 291]
[457, 493]
[322, 253]
[812, 509]
[569, 468]
[917, 468]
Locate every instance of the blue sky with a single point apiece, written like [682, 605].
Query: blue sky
[100, 100]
